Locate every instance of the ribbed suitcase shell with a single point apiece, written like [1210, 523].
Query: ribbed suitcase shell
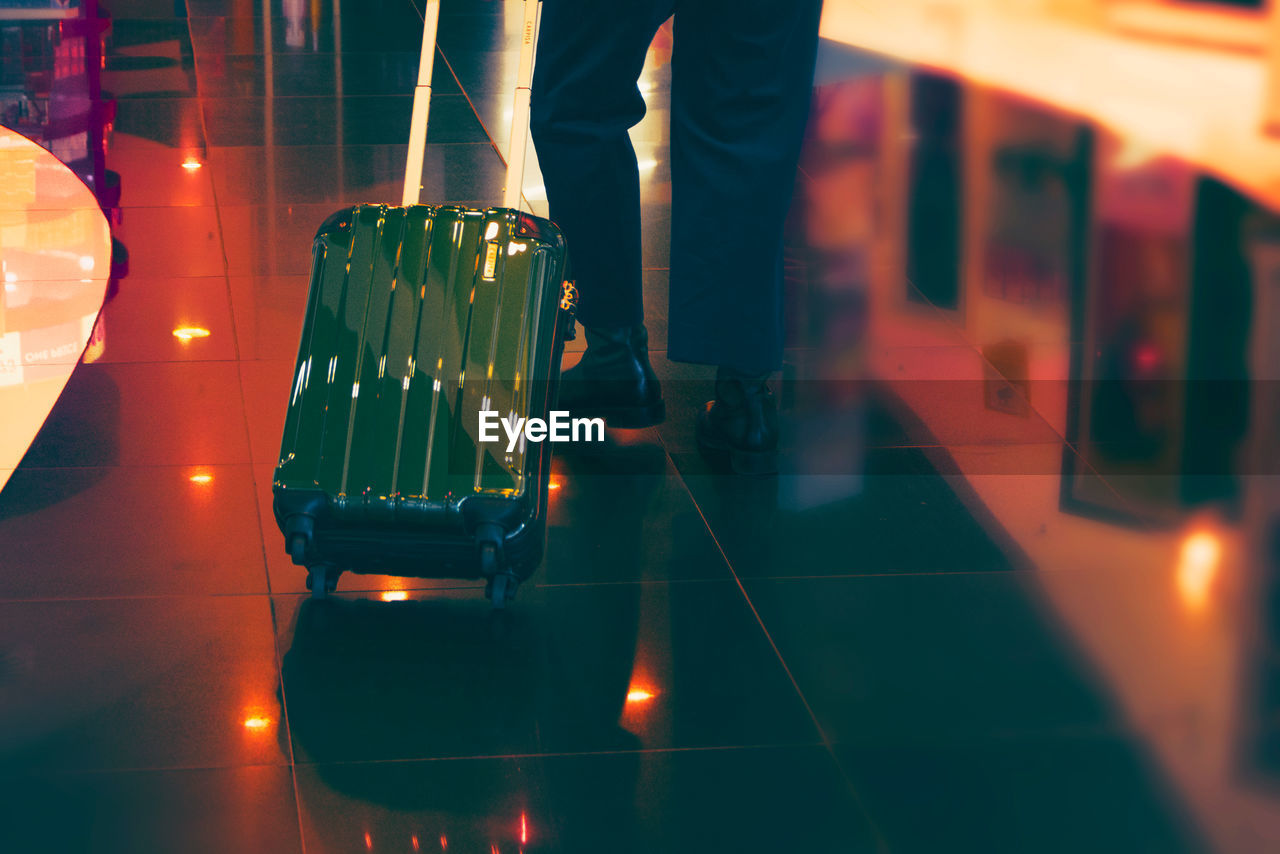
[418, 318]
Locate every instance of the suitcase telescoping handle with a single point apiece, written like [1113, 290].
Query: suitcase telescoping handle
[519, 115]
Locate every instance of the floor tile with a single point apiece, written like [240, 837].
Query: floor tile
[376, 27]
[352, 120]
[129, 32]
[889, 513]
[1053, 795]
[268, 314]
[685, 388]
[139, 683]
[152, 174]
[494, 107]
[930, 657]
[266, 395]
[272, 241]
[168, 320]
[206, 811]
[322, 75]
[620, 513]
[170, 122]
[351, 174]
[480, 71]
[948, 389]
[152, 71]
[145, 414]
[1045, 460]
[152, 11]
[684, 801]
[172, 241]
[603, 667]
[655, 228]
[212, 8]
[655, 283]
[130, 531]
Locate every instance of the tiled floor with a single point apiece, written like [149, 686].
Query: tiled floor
[859, 655]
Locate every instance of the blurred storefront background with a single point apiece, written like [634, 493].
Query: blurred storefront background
[1050, 230]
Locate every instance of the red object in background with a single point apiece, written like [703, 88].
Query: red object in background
[52, 68]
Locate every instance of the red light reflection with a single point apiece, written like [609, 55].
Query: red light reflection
[639, 694]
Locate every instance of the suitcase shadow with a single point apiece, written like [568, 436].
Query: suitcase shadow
[367, 681]
[445, 679]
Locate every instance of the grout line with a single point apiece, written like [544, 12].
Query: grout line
[946, 316]
[480, 757]
[845, 576]
[1090, 731]
[826, 740]
[475, 112]
[570, 754]
[248, 436]
[360, 97]
[682, 452]
[424, 593]
[284, 716]
[155, 769]
[463, 92]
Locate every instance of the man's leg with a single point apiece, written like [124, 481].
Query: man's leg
[742, 77]
[584, 99]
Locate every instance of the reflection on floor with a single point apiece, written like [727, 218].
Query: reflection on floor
[1009, 593]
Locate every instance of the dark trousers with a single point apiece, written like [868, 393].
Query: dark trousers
[741, 76]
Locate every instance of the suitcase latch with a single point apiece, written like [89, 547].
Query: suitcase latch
[568, 297]
[568, 305]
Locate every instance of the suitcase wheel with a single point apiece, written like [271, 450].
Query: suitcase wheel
[298, 549]
[501, 589]
[322, 580]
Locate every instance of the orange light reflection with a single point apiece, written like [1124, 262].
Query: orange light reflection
[1198, 563]
[187, 333]
[256, 723]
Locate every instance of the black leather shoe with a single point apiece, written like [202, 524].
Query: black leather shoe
[742, 423]
[614, 380]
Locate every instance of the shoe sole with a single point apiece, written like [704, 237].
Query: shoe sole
[758, 463]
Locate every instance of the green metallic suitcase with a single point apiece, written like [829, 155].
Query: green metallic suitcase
[418, 319]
